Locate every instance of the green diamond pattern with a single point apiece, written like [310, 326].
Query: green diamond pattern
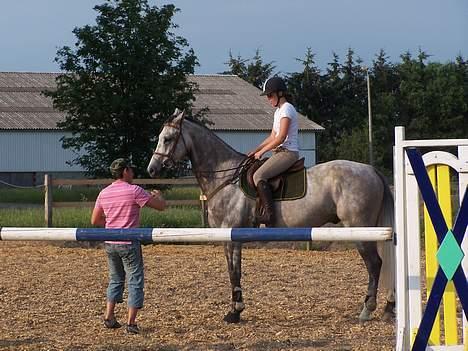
[449, 255]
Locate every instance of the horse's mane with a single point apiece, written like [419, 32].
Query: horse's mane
[189, 118]
[209, 131]
[196, 121]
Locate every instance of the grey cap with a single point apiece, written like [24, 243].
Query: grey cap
[120, 164]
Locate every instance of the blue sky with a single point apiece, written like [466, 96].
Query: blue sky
[31, 31]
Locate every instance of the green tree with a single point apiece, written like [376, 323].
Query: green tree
[353, 110]
[353, 144]
[384, 83]
[237, 66]
[344, 110]
[305, 87]
[254, 70]
[461, 69]
[123, 78]
[331, 91]
[432, 98]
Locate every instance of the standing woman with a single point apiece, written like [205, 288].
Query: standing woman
[118, 206]
[282, 141]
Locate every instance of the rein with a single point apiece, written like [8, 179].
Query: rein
[246, 162]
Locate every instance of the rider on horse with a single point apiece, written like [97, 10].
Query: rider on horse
[283, 142]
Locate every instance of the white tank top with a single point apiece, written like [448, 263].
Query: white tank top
[287, 111]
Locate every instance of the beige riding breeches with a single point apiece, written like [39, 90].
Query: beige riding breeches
[279, 162]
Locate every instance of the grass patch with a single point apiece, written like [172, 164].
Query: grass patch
[22, 217]
[173, 217]
[182, 193]
[83, 193]
[32, 196]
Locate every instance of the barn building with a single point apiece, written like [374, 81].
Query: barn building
[30, 139]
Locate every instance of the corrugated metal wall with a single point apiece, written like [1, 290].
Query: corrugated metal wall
[246, 141]
[41, 151]
[34, 151]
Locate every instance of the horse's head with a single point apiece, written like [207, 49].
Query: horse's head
[171, 146]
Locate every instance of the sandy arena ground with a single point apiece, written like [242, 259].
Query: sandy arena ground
[52, 298]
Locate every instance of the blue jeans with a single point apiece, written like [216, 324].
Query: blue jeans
[125, 261]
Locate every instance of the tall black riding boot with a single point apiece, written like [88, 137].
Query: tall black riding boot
[264, 192]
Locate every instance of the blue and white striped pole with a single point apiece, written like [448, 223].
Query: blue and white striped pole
[174, 235]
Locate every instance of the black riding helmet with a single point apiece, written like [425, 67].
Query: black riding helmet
[273, 85]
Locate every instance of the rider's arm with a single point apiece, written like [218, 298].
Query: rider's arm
[275, 140]
[264, 142]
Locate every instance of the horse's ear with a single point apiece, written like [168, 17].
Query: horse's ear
[178, 115]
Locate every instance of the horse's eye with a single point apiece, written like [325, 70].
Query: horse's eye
[167, 140]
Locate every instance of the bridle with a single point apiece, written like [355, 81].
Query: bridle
[170, 163]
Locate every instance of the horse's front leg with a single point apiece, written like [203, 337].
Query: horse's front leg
[233, 252]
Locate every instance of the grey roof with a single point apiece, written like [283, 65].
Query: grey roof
[233, 103]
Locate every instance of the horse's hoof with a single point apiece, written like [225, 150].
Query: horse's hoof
[389, 312]
[370, 304]
[232, 317]
[366, 315]
[388, 316]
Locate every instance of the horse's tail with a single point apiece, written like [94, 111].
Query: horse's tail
[386, 249]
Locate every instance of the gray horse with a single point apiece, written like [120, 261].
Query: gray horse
[338, 191]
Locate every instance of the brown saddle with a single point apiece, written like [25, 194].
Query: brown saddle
[278, 181]
[287, 186]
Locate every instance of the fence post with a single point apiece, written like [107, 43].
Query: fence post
[204, 211]
[48, 200]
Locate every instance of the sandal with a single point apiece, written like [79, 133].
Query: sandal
[111, 323]
[133, 329]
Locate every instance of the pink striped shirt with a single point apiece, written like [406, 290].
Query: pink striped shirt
[121, 203]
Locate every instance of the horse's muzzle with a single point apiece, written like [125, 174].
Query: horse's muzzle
[154, 168]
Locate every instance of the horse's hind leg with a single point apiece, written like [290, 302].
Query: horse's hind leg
[389, 311]
[233, 252]
[368, 252]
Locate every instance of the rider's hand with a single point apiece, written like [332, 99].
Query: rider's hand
[258, 155]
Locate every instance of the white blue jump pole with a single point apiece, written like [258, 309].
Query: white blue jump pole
[186, 235]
